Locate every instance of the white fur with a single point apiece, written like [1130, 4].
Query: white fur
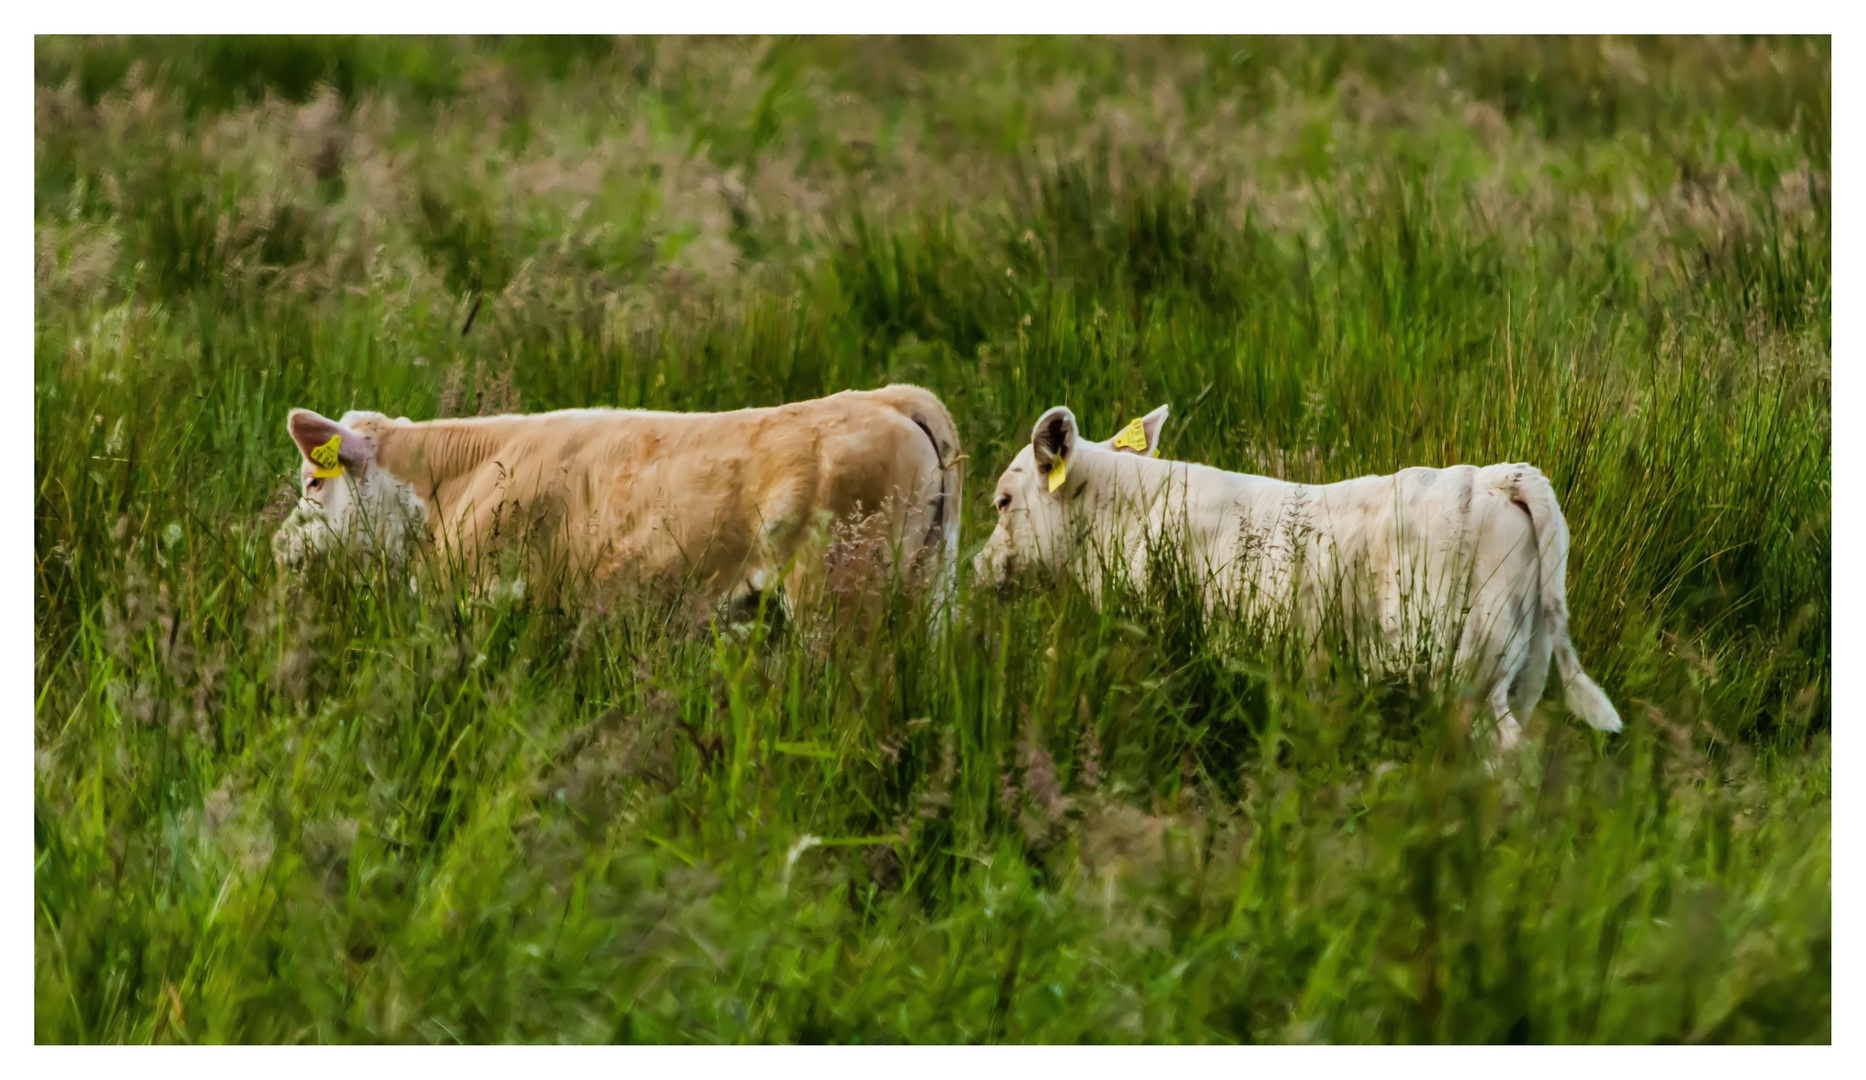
[365, 511]
[1456, 571]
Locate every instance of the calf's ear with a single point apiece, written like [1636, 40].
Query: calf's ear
[1053, 441]
[314, 433]
[1141, 436]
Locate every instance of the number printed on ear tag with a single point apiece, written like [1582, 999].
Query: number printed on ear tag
[1056, 473]
[1134, 437]
[324, 460]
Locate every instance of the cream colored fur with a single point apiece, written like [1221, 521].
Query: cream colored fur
[1459, 569]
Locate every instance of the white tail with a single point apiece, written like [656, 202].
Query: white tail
[1582, 694]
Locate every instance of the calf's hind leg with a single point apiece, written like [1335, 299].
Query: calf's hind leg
[1508, 732]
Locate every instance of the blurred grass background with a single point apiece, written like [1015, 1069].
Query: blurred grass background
[268, 810]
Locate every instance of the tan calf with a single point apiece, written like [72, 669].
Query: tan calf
[711, 507]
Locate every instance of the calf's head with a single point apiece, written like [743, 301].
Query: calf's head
[347, 500]
[1041, 494]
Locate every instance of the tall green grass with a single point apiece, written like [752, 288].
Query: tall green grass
[322, 808]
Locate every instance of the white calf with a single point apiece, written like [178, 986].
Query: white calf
[1460, 570]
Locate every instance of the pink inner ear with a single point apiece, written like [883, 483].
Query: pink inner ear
[309, 431]
[1053, 433]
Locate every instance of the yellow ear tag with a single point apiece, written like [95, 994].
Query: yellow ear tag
[1134, 437]
[1056, 473]
[324, 462]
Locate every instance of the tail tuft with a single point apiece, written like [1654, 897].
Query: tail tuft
[1585, 698]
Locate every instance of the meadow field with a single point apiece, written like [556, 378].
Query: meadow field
[321, 808]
